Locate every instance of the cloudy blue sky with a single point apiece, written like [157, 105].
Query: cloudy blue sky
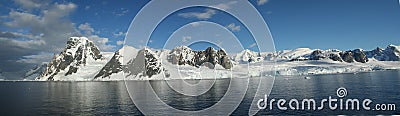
[31, 31]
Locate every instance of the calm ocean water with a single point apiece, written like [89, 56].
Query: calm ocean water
[112, 98]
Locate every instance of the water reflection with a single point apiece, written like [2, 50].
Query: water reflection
[156, 97]
[85, 98]
[111, 98]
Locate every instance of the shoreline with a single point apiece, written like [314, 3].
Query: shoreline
[199, 79]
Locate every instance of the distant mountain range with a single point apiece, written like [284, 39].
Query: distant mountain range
[82, 60]
[35, 72]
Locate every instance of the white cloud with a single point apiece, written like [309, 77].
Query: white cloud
[208, 13]
[101, 42]
[49, 25]
[186, 38]
[120, 42]
[30, 43]
[252, 45]
[269, 12]
[28, 4]
[19, 35]
[36, 59]
[87, 7]
[225, 6]
[23, 19]
[42, 28]
[60, 10]
[119, 34]
[262, 2]
[27, 44]
[121, 12]
[233, 27]
[38, 28]
[86, 28]
[195, 24]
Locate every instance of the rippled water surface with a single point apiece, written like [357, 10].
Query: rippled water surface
[112, 98]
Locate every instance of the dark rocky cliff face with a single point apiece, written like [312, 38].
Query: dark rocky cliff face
[146, 63]
[359, 56]
[356, 55]
[185, 56]
[391, 53]
[378, 52]
[113, 66]
[347, 56]
[317, 55]
[335, 57]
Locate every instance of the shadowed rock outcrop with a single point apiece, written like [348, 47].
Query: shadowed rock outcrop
[183, 55]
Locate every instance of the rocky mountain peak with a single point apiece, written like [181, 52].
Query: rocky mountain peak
[78, 51]
[146, 63]
[359, 55]
[392, 53]
[117, 62]
[83, 46]
[376, 52]
[183, 55]
[248, 56]
[317, 55]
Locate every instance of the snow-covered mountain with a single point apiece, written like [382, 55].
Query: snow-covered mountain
[391, 53]
[356, 55]
[114, 68]
[35, 72]
[298, 53]
[248, 56]
[80, 59]
[146, 64]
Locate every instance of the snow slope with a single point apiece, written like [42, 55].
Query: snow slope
[330, 67]
[35, 72]
[113, 70]
[292, 54]
[247, 56]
